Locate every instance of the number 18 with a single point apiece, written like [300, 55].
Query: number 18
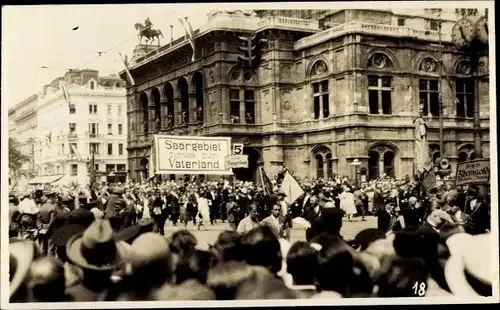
[419, 288]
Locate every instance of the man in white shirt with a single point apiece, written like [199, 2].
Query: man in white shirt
[28, 211]
[249, 222]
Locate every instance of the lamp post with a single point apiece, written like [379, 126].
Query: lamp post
[356, 164]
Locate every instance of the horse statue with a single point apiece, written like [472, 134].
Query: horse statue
[146, 31]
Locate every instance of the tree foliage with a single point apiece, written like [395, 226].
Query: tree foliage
[16, 158]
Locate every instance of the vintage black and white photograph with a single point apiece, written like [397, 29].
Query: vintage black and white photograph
[306, 153]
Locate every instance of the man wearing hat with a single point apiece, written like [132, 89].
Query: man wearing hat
[114, 206]
[46, 216]
[478, 210]
[98, 254]
[29, 211]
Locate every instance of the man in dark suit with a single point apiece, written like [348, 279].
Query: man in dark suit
[479, 212]
[384, 217]
[314, 217]
[114, 206]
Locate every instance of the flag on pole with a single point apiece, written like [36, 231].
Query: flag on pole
[75, 151]
[129, 75]
[66, 95]
[267, 186]
[189, 32]
[291, 187]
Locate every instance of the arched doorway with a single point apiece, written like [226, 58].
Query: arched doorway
[250, 173]
[198, 87]
[184, 92]
[143, 106]
[373, 165]
[389, 164]
[169, 113]
[157, 110]
[144, 169]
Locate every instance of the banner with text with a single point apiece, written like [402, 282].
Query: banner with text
[192, 155]
[473, 172]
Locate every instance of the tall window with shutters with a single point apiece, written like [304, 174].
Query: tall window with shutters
[321, 100]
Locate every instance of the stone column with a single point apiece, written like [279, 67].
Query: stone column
[325, 166]
[163, 109]
[151, 114]
[381, 164]
[177, 107]
[224, 105]
[192, 107]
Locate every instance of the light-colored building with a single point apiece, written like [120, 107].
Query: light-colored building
[22, 127]
[332, 86]
[93, 123]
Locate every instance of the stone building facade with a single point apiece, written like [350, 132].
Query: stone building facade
[333, 86]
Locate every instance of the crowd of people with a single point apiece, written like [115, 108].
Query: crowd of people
[109, 243]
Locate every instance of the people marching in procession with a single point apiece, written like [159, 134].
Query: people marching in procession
[109, 243]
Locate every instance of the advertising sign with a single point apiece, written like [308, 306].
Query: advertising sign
[473, 172]
[236, 161]
[192, 155]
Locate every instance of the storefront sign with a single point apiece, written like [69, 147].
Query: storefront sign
[192, 155]
[473, 172]
[236, 161]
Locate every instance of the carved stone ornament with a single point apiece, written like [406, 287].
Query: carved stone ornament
[245, 140]
[319, 68]
[235, 76]
[211, 77]
[379, 61]
[464, 68]
[248, 76]
[287, 105]
[267, 106]
[428, 65]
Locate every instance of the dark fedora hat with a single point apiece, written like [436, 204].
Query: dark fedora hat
[61, 236]
[96, 248]
[128, 234]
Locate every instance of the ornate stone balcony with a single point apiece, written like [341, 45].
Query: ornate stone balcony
[374, 29]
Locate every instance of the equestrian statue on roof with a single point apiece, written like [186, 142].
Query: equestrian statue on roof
[148, 32]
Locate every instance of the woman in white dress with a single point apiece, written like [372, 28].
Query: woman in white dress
[347, 203]
[203, 210]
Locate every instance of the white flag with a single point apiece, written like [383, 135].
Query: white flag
[291, 187]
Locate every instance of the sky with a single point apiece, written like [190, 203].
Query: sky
[41, 36]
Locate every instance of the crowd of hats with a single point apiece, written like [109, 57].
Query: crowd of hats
[96, 264]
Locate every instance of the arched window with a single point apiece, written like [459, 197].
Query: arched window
[389, 163]
[473, 156]
[92, 85]
[373, 165]
[435, 156]
[320, 172]
[329, 166]
[156, 121]
[462, 157]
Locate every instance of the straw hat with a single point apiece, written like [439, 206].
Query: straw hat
[96, 248]
[21, 254]
[470, 260]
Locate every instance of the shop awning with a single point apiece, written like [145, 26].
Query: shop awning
[46, 179]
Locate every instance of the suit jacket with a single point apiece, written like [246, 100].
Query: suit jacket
[316, 228]
[427, 228]
[480, 217]
[114, 205]
[383, 220]
[270, 222]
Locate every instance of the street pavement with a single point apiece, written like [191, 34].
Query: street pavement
[348, 231]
